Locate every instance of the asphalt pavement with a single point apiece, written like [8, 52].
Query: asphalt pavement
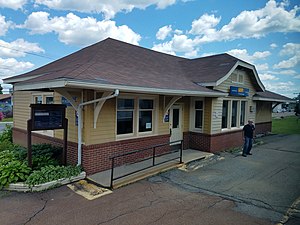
[225, 189]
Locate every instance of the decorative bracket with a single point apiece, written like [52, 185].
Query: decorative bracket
[171, 103]
[98, 107]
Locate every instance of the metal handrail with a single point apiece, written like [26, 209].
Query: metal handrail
[154, 155]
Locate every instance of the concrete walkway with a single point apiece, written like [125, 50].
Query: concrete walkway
[104, 178]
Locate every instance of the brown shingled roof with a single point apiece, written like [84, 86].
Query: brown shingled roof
[119, 63]
[271, 96]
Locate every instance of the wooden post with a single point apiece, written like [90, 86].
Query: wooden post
[29, 150]
[65, 147]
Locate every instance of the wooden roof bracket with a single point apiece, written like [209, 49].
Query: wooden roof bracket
[170, 104]
[98, 106]
[68, 96]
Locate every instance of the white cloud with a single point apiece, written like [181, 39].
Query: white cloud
[4, 25]
[18, 48]
[12, 4]
[262, 67]
[180, 44]
[244, 55]
[287, 72]
[79, 31]
[290, 49]
[107, 7]
[284, 88]
[163, 32]
[273, 46]
[10, 67]
[205, 24]
[286, 64]
[266, 76]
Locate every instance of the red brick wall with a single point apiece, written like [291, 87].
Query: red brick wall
[263, 128]
[96, 158]
[214, 143]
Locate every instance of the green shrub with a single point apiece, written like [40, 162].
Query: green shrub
[11, 169]
[6, 145]
[6, 134]
[51, 173]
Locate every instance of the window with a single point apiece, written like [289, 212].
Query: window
[145, 115]
[238, 77]
[225, 114]
[198, 114]
[43, 98]
[233, 113]
[125, 111]
[134, 116]
[243, 113]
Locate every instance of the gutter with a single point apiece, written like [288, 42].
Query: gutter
[79, 111]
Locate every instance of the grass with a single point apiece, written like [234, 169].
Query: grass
[287, 125]
[7, 120]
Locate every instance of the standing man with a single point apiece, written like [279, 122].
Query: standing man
[248, 131]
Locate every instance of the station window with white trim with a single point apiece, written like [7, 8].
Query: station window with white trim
[135, 116]
[197, 114]
[233, 113]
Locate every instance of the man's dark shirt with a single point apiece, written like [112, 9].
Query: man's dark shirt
[248, 130]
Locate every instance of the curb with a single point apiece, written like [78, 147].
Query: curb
[22, 187]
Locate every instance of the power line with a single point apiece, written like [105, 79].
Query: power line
[29, 53]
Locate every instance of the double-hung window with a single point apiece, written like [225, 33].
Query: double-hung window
[145, 115]
[125, 111]
[198, 114]
[135, 116]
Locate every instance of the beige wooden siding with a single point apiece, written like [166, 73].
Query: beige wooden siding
[185, 102]
[263, 112]
[105, 126]
[22, 101]
[207, 115]
[163, 128]
[216, 121]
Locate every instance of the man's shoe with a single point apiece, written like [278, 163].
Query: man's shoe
[249, 153]
[244, 155]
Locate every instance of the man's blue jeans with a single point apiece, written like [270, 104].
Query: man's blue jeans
[247, 145]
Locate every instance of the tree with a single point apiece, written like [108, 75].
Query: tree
[1, 88]
[297, 107]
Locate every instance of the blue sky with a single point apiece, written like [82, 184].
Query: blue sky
[264, 33]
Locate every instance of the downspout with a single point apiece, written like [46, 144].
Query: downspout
[79, 111]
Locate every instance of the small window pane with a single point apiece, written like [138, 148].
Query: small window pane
[145, 121]
[243, 113]
[49, 100]
[124, 122]
[125, 103]
[241, 78]
[146, 104]
[234, 114]
[38, 100]
[198, 104]
[225, 114]
[175, 118]
[198, 119]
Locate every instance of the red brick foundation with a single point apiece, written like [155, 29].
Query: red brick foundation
[263, 128]
[96, 158]
[214, 143]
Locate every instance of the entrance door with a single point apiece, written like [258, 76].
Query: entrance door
[176, 123]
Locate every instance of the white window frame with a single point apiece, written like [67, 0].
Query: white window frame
[193, 114]
[229, 116]
[136, 111]
[240, 77]
[44, 95]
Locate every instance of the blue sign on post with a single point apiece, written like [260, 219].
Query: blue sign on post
[239, 91]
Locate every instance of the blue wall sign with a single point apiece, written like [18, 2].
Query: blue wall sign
[239, 91]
